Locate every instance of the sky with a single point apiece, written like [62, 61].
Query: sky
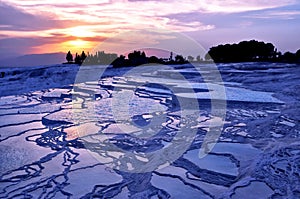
[47, 26]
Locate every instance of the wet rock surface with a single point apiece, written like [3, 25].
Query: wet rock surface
[125, 135]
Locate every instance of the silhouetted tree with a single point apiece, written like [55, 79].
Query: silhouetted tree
[190, 58]
[80, 58]
[244, 51]
[154, 59]
[120, 62]
[298, 55]
[83, 56]
[137, 58]
[69, 57]
[77, 59]
[289, 57]
[198, 58]
[179, 59]
[101, 58]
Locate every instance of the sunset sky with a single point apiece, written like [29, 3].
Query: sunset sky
[44, 26]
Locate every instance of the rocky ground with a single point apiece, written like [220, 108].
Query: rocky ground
[152, 132]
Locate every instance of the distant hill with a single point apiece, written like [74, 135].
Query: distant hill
[34, 60]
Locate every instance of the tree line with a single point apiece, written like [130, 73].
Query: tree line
[250, 51]
[245, 51]
[135, 58]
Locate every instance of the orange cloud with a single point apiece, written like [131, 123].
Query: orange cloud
[77, 23]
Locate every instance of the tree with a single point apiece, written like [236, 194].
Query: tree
[245, 51]
[198, 58]
[298, 54]
[289, 57]
[179, 59]
[153, 59]
[69, 57]
[190, 58]
[77, 59]
[137, 58]
[119, 62]
[83, 56]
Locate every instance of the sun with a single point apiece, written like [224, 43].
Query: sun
[77, 45]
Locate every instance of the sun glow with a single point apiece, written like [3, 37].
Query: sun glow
[78, 45]
[80, 31]
[36, 26]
